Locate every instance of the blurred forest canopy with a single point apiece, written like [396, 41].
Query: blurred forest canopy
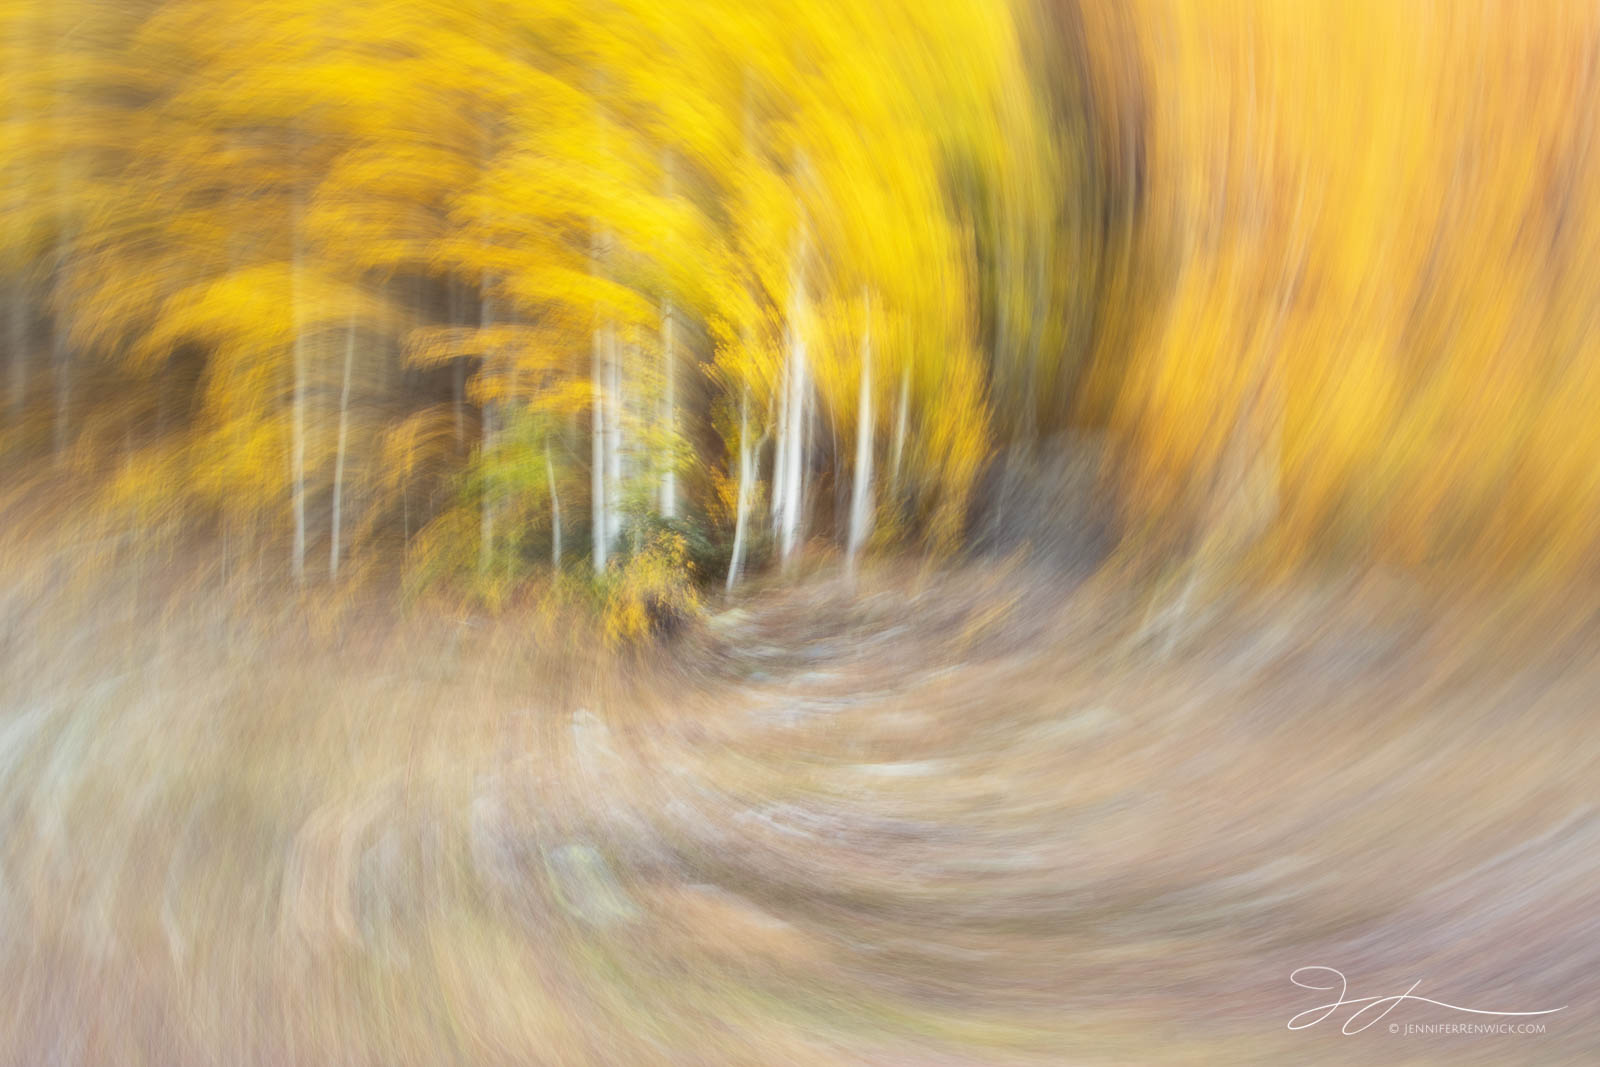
[473, 292]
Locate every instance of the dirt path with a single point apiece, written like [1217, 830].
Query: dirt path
[966, 820]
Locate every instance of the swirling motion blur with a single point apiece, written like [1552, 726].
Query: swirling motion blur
[986, 531]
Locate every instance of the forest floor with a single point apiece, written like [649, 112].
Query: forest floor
[973, 817]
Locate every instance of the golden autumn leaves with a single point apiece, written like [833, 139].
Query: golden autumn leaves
[489, 289]
[1374, 228]
[408, 253]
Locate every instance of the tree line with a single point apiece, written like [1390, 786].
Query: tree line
[483, 291]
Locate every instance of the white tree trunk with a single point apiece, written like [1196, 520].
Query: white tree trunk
[669, 375]
[555, 510]
[491, 414]
[669, 416]
[802, 459]
[615, 472]
[742, 500]
[793, 435]
[599, 493]
[794, 447]
[338, 463]
[780, 452]
[861, 487]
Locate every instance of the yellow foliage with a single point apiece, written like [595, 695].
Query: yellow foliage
[1368, 243]
[516, 273]
[652, 593]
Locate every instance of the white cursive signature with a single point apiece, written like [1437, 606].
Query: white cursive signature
[1371, 1004]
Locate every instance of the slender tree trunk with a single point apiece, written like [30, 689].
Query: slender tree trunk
[601, 521]
[861, 485]
[555, 510]
[459, 373]
[897, 451]
[615, 442]
[669, 376]
[606, 462]
[841, 487]
[780, 451]
[338, 462]
[491, 429]
[802, 459]
[794, 437]
[489, 414]
[742, 500]
[669, 415]
[297, 427]
[459, 399]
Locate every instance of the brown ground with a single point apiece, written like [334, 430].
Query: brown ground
[970, 818]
